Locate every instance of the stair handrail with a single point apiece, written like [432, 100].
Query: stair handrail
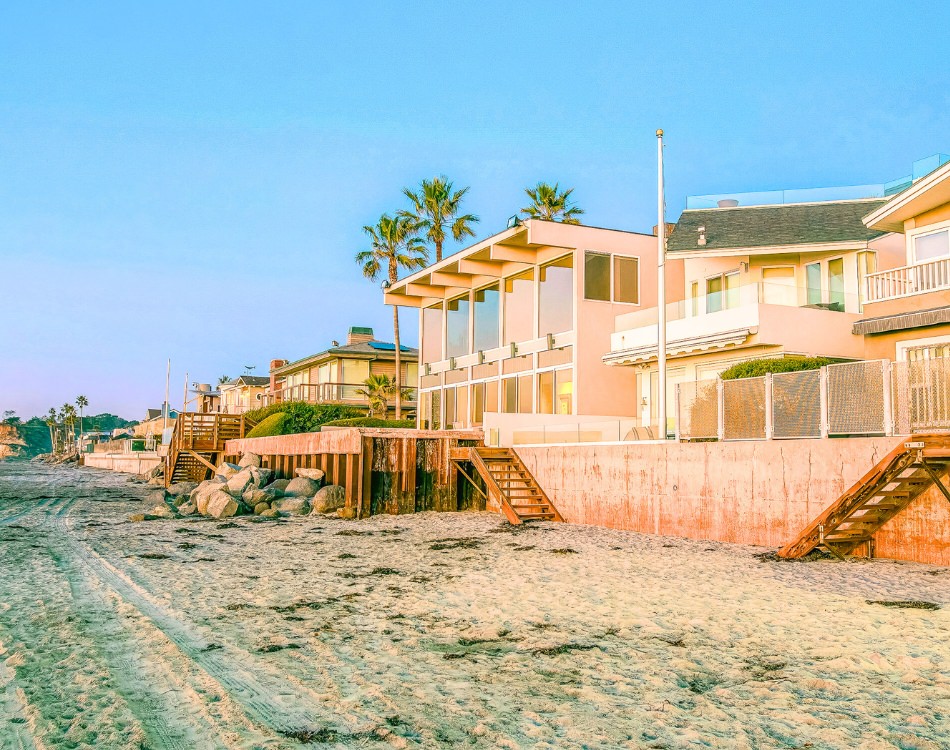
[493, 489]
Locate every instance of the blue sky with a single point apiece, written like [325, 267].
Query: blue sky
[189, 180]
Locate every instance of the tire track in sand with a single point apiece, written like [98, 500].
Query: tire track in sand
[265, 694]
[14, 712]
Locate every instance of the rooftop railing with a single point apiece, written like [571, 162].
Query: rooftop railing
[331, 393]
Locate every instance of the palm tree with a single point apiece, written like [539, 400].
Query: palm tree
[51, 424]
[82, 402]
[223, 379]
[69, 424]
[550, 204]
[436, 206]
[395, 245]
[376, 390]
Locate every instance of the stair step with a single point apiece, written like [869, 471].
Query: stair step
[536, 516]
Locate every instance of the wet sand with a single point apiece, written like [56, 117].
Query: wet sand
[442, 630]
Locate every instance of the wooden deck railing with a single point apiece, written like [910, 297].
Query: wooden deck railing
[331, 393]
[932, 276]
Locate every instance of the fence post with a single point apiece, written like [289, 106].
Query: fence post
[768, 406]
[676, 412]
[823, 400]
[888, 400]
[720, 410]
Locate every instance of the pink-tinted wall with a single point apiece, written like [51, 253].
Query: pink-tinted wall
[762, 492]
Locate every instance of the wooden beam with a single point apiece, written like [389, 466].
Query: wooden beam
[446, 279]
[506, 253]
[203, 460]
[482, 267]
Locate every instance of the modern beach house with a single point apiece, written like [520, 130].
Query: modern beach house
[515, 326]
[336, 375]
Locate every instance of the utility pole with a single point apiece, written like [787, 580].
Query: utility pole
[168, 374]
[661, 286]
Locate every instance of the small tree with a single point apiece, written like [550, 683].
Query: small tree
[377, 390]
[550, 203]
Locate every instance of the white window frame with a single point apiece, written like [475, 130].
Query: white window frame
[705, 289]
[902, 347]
[941, 226]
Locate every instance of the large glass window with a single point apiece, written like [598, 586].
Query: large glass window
[556, 296]
[564, 390]
[778, 286]
[546, 392]
[456, 327]
[509, 387]
[714, 294]
[597, 276]
[836, 283]
[432, 334]
[486, 318]
[867, 264]
[813, 282]
[519, 307]
[931, 246]
[626, 279]
[461, 405]
[722, 292]
[525, 394]
[449, 408]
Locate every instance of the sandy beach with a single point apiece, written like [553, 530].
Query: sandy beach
[442, 630]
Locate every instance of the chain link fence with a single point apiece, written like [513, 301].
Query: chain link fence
[743, 409]
[875, 397]
[796, 404]
[699, 410]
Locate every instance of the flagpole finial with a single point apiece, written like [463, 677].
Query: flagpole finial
[659, 133]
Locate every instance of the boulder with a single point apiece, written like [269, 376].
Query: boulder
[348, 513]
[270, 514]
[221, 505]
[297, 506]
[239, 482]
[261, 476]
[260, 508]
[157, 482]
[180, 500]
[161, 511]
[188, 509]
[253, 496]
[277, 486]
[181, 488]
[227, 470]
[250, 459]
[328, 499]
[154, 497]
[301, 487]
[315, 474]
[202, 492]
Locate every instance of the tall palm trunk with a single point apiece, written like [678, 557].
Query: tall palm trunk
[438, 250]
[398, 363]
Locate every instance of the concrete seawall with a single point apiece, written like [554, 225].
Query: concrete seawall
[762, 492]
[137, 462]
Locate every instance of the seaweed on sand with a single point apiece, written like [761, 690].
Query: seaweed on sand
[911, 604]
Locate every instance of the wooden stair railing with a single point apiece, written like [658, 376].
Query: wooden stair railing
[197, 443]
[510, 485]
[913, 467]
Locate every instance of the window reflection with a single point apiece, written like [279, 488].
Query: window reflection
[486, 318]
[519, 307]
[456, 323]
[556, 296]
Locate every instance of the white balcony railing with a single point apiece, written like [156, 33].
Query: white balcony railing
[932, 276]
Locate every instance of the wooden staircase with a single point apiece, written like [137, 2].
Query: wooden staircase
[913, 467]
[511, 487]
[198, 443]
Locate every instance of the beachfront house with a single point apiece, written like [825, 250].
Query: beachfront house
[336, 375]
[513, 328]
[242, 394]
[777, 274]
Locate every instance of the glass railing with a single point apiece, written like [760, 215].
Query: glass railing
[760, 293]
[780, 197]
[603, 431]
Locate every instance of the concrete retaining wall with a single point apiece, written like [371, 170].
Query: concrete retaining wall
[761, 493]
[128, 463]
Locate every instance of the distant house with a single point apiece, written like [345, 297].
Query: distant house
[335, 376]
[242, 394]
[154, 423]
[204, 399]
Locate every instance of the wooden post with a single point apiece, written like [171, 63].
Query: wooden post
[365, 506]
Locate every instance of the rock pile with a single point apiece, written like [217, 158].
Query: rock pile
[245, 489]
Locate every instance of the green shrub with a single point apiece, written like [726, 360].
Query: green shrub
[304, 417]
[398, 424]
[755, 368]
[272, 425]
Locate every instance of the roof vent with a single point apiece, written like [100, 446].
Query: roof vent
[702, 236]
[728, 203]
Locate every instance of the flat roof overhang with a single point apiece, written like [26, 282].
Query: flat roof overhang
[902, 321]
[639, 355]
[503, 254]
[927, 193]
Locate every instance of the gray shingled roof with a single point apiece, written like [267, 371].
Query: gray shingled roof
[764, 226]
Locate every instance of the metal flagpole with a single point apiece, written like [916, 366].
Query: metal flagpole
[184, 398]
[168, 373]
[661, 287]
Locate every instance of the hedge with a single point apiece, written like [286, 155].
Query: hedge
[303, 417]
[399, 424]
[755, 368]
[272, 425]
